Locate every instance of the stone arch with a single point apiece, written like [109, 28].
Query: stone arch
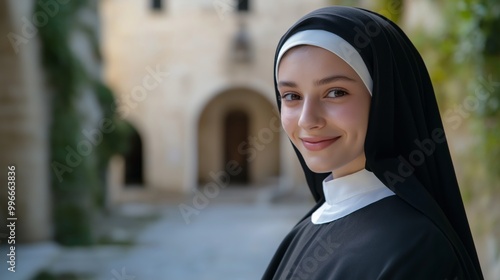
[259, 148]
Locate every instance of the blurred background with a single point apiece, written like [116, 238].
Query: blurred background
[147, 144]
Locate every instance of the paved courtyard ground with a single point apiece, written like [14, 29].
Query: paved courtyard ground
[233, 237]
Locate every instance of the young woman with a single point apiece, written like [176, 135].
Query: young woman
[357, 103]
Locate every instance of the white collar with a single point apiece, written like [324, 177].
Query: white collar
[347, 194]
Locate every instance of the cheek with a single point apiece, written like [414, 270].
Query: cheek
[352, 118]
[288, 121]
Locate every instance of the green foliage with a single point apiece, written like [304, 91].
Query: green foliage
[468, 63]
[64, 73]
[391, 9]
[81, 185]
[113, 142]
[485, 17]
[72, 215]
[467, 70]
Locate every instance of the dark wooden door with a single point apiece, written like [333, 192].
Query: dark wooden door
[236, 133]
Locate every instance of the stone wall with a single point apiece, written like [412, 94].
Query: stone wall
[166, 66]
[24, 123]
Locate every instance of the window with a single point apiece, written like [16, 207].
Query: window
[157, 5]
[243, 5]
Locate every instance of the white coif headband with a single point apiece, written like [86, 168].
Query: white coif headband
[331, 42]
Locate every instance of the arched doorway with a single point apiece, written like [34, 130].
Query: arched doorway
[134, 161]
[236, 127]
[238, 138]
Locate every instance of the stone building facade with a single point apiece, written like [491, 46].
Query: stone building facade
[195, 79]
[24, 126]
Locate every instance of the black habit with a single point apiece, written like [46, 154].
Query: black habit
[422, 231]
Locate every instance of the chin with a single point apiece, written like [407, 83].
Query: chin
[319, 168]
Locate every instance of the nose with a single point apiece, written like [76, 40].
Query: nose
[311, 116]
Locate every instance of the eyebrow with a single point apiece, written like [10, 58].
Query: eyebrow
[320, 82]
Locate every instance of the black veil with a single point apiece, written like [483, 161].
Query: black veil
[405, 145]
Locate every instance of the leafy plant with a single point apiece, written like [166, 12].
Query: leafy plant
[78, 186]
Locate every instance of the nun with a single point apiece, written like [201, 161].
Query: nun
[357, 103]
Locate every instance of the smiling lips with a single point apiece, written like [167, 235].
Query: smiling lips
[316, 143]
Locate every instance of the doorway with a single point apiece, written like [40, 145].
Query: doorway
[236, 129]
[238, 125]
[133, 162]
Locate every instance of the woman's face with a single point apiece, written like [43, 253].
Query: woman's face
[324, 109]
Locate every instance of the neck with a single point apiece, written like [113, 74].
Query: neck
[352, 167]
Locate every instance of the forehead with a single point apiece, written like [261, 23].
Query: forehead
[297, 57]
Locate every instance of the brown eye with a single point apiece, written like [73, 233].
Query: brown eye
[335, 93]
[290, 97]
